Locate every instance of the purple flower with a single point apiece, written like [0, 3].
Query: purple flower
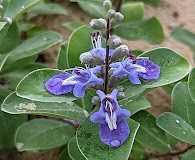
[152, 69]
[144, 68]
[76, 82]
[54, 84]
[111, 118]
[97, 46]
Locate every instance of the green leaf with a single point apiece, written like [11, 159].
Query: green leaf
[177, 127]
[74, 151]
[93, 149]
[34, 45]
[149, 30]
[3, 58]
[184, 36]
[63, 155]
[9, 124]
[72, 26]
[132, 11]
[25, 26]
[11, 35]
[36, 90]
[136, 105]
[62, 57]
[17, 8]
[182, 104]
[17, 75]
[100, 2]
[46, 9]
[2, 24]
[42, 134]
[149, 134]
[16, 105]
[138, 152]
[80, 37]
[189, 155]
[93, 9]
[85, 102]
[191, 83]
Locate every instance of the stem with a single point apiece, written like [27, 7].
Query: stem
[118, 4]
[107, 57]
[171, 153]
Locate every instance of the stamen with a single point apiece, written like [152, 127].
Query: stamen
[140, 68]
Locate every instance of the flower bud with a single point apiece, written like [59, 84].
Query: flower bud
[120, 95]
[90, 59]
[120, 52]
[1, 7]
[111, 13]
[114, 41]
[118, 17]
[120, 88]
[107, 5]
[98, 24]
[95, 100]
[8, 20]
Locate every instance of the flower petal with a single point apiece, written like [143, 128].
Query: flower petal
[116, 137]
[152, 69]
[54, 84]
[97, 116]
[79, 90]
[133, 77]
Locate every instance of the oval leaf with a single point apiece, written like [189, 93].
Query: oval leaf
[80, 37]
[182, 104]
[149, 30]
[149, 134]
[62, 57]
[74, 151]
[8, 126]
[16, 105]
[133, 11]
[16, 8]
[191, 83]
[93, 149]
[42, 134]
[177, 127]
[32, 87]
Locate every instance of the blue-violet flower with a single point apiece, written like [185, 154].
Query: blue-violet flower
[111, 118]
[76, 82]
[144, 68]
[97, 47]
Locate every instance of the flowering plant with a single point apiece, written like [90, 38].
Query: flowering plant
[101, 85]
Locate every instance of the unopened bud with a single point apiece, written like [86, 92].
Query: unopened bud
[111, 13]
[120, 52]
[118, 17]
[8, 20]
[114, 41]
[120, 95]
[90, 59]
[107, 5]
[1, 7]
[95, 100]
[120, 88]
[98, 24]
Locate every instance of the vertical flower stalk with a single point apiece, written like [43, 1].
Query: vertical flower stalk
[107, 57]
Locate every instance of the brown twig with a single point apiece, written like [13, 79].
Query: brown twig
[170, 153]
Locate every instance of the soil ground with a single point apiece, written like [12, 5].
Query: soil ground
[171, 13]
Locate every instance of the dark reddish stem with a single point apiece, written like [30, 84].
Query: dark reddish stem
[171, 153]
[117, 4]
[107, 57]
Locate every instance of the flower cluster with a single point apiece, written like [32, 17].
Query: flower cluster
[106, 63]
